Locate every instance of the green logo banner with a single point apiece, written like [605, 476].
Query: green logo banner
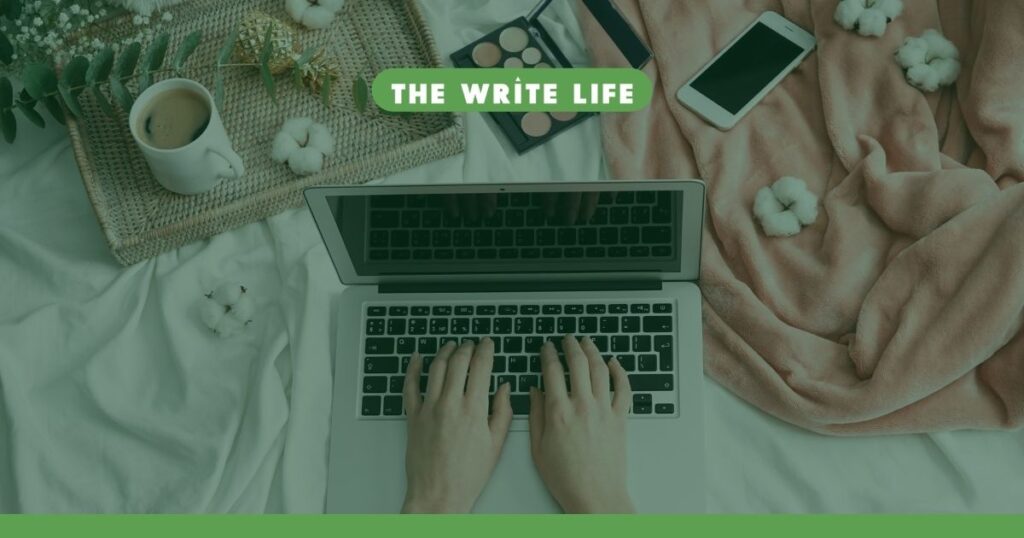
[512, 90]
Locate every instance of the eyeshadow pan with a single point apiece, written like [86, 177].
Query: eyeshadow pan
[536, 124]
[486, 54]
[542, 65]
[531, 55]
[514, 39]
[513, 63]
[564, 116]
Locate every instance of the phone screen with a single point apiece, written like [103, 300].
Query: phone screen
[747, 67]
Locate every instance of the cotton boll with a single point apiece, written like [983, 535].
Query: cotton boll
[847, 13]
[284, 145]
[242, 310]
[765, 203]
[320, 138]
[306, 161]
[333, 5]
[210, 312]
[872, 23]
[789, 189]
[227, 294]
[891, 8]
[913, 52]
[924, 76]
[295, 8]
[805, 207]
[784, 224]
[317, 18]
[947, 70]
[298, 129]
[939, 46]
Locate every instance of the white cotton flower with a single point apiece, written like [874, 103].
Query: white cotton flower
[37, 21]
[931, 61]
[227, 310]
[76, 9]
[304, 145]
[167, 16]
[867, 17]
[314, 14]
[785, 207]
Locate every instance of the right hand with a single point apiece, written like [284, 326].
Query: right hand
[579, 440]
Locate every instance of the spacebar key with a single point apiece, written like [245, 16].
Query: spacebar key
[380, 346]
[650, 382]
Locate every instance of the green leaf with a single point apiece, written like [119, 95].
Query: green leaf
[121, 95]
[6, 93]
[306, 56]
[228, 47]
[73, 76]
[102, 101]
[218, 90]
[187, 47]
[268, 81]
[6, 49]
[325, 91]
[30, 113]
[127, 61]
[361, 93]
[71, 101]
[55, 108]
[154, 59]
[9, 125]
[268, 46]
[39, 80]
[12, 9]
[100, 67]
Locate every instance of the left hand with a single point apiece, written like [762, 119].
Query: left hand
[453, 447]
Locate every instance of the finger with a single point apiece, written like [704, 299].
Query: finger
[458, 367]
[623, 392]
[501, 416]
[451, 205]
[572, 207]
[411, 389]
[536, 418]
[598, 370]
[470, 207]
[589, 206]
[554, 375]
[435, 378]
[480, 368]
[490, 205]
[579, 367]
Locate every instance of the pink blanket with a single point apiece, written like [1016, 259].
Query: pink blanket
[902, 308]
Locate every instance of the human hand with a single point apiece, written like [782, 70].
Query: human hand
[452, 445]
[578, 440]
[471, 207]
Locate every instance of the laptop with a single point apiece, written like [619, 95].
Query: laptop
[520, 263]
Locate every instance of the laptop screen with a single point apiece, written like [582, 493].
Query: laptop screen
[571, 232]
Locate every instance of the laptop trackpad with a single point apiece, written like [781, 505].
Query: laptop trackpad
[515, 486]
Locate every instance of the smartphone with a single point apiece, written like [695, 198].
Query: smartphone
[750, 67]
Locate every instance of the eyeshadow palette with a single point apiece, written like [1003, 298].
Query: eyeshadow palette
[515, 46]
[525, 44]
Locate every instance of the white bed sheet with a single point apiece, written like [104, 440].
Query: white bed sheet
[114, 398]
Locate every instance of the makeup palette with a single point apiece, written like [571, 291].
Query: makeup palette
[524, 43]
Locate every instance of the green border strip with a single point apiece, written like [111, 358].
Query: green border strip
[146, 526]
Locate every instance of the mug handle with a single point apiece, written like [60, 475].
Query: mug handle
[233, 161]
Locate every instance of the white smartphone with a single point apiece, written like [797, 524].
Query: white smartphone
[750, 67]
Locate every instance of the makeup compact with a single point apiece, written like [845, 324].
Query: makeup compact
[524, 43]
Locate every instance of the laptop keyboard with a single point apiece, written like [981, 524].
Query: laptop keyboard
[639, 334]
[624, 225]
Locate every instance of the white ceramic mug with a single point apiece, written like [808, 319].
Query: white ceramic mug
[197, 166]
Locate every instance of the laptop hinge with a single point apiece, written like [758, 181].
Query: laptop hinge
[516, 287]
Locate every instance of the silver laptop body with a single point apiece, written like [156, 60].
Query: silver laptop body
[418, 271]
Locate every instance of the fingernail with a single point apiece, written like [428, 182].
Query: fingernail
[486, 339]
[415, 355]
[586, 339]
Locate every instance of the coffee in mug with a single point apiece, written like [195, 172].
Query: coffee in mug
[174, 119]
[176, 125]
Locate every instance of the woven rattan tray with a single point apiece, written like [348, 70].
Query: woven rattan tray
[140, 219]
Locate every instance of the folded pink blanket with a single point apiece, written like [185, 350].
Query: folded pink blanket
[902, 308]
